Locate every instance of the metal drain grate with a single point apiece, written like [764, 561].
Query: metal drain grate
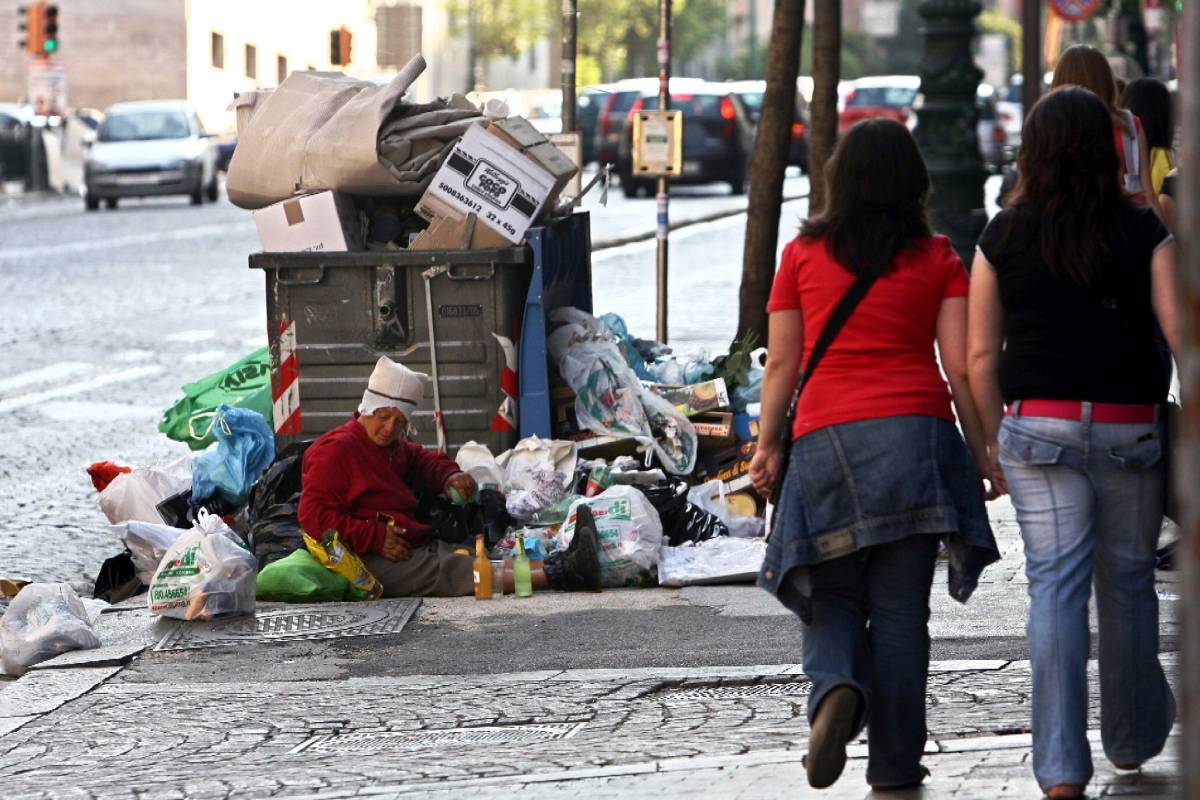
[685, 695]
[382, 741]
[286, 625]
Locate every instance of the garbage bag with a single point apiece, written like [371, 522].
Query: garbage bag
[43, 620]
[628, 531]
[298, 578]
[135, 495]
[275, 533]
[682, 521]
[609, 397]
[711, 497]
[147, 543]
[117, 579]
[477, 460]
[721, 560]
[633, 358]
[245, 448]
[245, 384]
[206, 573]
[281, 482]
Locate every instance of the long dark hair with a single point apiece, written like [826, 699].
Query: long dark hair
[1150, 99]
[1067, 196]
[877, 184]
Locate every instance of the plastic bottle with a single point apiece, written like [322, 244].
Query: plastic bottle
[483, 571]
[522, 580]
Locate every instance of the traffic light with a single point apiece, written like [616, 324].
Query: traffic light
[49, 23]
[29, 27]
[339, 47]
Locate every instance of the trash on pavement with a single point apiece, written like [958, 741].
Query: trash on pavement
[147, 543]
[682, 520]
[717, 500]
[697, 398]
[715, 431]
[206, 573]
[724, 559]
[43, 621]
[336, 557]
[135, 495]
[245, 448]
[245, 383]
[326, 222]
[477, 460]
[10, 586]
[533, 454]
[300, 578]
[117, 579]
[628, 531]
[103, 472]
[273, 511]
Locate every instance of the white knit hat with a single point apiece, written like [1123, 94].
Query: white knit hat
[393, 385]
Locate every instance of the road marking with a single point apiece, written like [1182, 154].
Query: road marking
[91, 245]
[191, 336]
[53, 372]
[132, 374]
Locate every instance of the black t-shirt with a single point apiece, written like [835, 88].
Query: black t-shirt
[1066, 341]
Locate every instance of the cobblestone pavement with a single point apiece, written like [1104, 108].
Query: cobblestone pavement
[589, 733]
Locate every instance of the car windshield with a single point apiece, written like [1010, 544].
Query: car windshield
[704, 106]
[135, 126]
[894, 96]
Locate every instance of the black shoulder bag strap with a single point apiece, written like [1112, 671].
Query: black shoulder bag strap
[833, 326]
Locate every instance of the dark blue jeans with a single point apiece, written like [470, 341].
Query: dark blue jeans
[870, 631]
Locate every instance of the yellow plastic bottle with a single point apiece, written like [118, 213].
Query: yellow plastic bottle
[483, 571]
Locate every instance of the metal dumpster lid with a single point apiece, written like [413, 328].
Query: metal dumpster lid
[398, 258]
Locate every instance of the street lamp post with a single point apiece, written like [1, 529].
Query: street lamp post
[946, 121]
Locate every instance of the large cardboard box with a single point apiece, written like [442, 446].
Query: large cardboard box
[520, 133]
[486, 176]
[698, 398]
[321, 222]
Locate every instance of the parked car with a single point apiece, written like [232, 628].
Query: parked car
[989, 129]
[610, 122]
[588, 103]
[751, 93]
[878, 96]
[1009, 110]
[716, 143]
[150, 148]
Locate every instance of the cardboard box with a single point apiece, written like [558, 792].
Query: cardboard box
[454, 231]
[731, 466]
[322, 222]
[697, 398]
[485, 176]
[570, 146]
[520, 134]
[715, 430]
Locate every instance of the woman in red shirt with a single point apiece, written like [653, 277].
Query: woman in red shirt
[877, 464]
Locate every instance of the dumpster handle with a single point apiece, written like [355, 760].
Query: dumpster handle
[490, 274]
[282, 281]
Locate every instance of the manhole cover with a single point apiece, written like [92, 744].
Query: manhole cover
[287, 625]
[685, 695]
[379, 741]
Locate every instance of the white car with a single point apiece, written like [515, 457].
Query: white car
[147, 149]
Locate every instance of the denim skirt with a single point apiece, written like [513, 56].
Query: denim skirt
[858, 484]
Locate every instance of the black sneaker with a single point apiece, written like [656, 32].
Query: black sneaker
[577, 569]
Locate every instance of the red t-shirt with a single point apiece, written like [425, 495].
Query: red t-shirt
[882, 363]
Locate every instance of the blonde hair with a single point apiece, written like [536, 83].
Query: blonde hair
[1084, 65]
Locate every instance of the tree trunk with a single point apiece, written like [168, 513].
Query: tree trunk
[768, 163]
[823, 114]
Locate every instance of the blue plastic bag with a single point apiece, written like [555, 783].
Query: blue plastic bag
[245, 448]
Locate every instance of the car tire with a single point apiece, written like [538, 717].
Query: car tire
[110, 202]
[212, 192]
[91, 202]
[739, 185]
[197, 196]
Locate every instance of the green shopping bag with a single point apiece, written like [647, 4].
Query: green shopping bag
[300, 578]
[246, 384]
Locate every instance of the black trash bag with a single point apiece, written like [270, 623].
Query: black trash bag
[275, 532]
[280, 483]
[494, 518]
[452, 524]
[118, 579]
[682, 521]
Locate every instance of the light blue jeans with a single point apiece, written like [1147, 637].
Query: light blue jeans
[1089, 500]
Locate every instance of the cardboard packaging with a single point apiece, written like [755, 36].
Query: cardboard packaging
[485, 176]
[322, 222]
[697, 398]
[521, 135]
[731, 466]
[715, 431]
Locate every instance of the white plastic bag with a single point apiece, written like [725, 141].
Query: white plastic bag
[711, 497]
[206, 572]
[43, 620]
[721, 559]
[135, 495]
[628, 531]
[477, 460]
[147, 543]
[534, 454]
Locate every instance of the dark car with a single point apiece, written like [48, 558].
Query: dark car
[610, 120]
[716, 145]
[588, 103]
[751, 93]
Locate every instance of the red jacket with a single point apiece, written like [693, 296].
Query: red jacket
[349, 481]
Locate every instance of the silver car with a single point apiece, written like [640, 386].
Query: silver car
[148, 149]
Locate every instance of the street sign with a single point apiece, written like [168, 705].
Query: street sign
[46, 87]
[657, 143]
[880, 18]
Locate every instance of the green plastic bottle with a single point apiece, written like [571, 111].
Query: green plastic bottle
[522, 582]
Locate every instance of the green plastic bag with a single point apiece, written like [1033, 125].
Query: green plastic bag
[246, 384]
[300, 578]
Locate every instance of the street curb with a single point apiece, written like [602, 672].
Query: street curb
[608, 244]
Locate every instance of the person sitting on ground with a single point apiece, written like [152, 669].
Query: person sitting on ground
[360, 480]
